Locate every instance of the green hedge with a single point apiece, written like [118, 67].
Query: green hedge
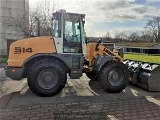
[143, 57]
[3, 59]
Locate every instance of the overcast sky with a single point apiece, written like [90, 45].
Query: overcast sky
[114, 16]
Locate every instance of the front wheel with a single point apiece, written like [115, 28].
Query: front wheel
[114, 77]
[46, 77]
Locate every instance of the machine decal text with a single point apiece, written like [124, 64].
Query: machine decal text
[19, 50]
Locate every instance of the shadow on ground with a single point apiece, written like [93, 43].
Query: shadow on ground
[17, 93]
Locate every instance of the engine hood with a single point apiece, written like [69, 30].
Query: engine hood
[23, 49]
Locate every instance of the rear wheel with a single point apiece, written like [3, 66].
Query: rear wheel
[47, 77]
[92, 75]
[113, 77]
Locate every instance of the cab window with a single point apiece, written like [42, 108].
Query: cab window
[71, 37]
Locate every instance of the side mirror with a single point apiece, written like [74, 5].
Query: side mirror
[100, 41]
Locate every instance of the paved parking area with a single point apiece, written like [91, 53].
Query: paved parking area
[142, 109]
[80, 99]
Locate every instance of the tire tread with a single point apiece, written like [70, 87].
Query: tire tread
[102, 80]
[33, 71]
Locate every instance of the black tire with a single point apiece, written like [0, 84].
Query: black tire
[93, 75]
[47, 77]
[113, 77]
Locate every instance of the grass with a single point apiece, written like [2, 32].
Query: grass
[3, 59]
[145, 58]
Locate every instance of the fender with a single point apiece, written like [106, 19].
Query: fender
[100, 61]
[60, 56]
[17, 73]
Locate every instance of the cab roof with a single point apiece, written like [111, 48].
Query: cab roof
[64, 11]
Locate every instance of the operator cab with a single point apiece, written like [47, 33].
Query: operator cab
[68, 32]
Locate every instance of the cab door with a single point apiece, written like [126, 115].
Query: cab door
[72, 42]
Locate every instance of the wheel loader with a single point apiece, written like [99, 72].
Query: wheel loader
[47, 60]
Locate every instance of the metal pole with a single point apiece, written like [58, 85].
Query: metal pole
[158, 29]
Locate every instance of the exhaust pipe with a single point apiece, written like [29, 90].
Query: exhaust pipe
[144, 75]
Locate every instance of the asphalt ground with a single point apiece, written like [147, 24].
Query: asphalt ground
[81, 99]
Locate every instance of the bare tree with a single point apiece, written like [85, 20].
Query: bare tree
[147, 36]
[154, 26]
[134, 37]
[108, 35]
[120, 37]
[44, 15]
[26, 22]
[18, 22]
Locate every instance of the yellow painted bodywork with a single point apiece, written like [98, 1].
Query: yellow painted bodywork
[37, 44]
[40, 45]
[92, 54]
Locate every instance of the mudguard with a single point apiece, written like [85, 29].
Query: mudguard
[100, 61]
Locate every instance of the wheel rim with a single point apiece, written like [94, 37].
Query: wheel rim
[115, 77]
[47, 79]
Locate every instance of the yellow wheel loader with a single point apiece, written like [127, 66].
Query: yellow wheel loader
[46, 61]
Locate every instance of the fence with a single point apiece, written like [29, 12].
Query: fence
[142, 50]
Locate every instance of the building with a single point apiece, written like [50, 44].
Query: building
[153, 49]
[157, 46]
[10, 9]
